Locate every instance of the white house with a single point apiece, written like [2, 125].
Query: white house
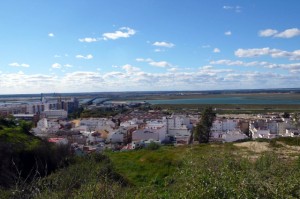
[117, 136]
[178, 126]
[224, 125]
[231, 136]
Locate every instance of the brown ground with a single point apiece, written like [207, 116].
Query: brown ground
[253, 149]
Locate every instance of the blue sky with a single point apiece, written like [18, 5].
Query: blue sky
[148, 45]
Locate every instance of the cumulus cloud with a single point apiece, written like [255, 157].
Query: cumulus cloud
[151, 62]
[89, 56]
[51, 34]
[212, 71]
[133, 79]
[123, 32]
[89, 39]
[267, 32]
[216, 50]
[161, 64]
[163, 44]
[174, 69]
[56, 65]
[15, 64]
[228, 33]
[130, 69]
[275, 53]
[288, 33]
[290, 67]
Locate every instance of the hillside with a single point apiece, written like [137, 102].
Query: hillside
[24, 157]
[254, 169]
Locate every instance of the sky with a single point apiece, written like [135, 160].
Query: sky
[54, 46]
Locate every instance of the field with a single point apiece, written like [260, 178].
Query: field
[252, 169]
[231, 108]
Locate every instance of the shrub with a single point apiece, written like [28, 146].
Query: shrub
[153, 146]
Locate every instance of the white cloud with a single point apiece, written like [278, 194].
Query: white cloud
[143, 60]
[234, 8]
[235, 63]
[130, 69]
[133, 79]
[68, 65]
[163, 44]
[89, 56]
[211, 71]
[151, 62]
[51, 34]
[15, 64]
[206, 46]
[228, 33]
[123, 32]
[216, 50]
[267, 32]
[290, 67]
[275, 53]
[161, 64]
[288, 33]
[173, 69]
[88, 39]
[158, 50]
[56, 65]
[228, 7]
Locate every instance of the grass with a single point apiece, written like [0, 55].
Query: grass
[19, 139]
[196, 171]
[291, 141]
[147, 167]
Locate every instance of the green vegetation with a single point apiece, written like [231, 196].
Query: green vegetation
[101, 112]
[197, 171]
[24, 157]
[202, 130]
[33, 168]
[230, 108]
[148, 167]
[153, 146]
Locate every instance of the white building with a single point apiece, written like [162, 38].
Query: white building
[117, 136]
[232, 136]
[178, 126]
[260, 132]
[224, 125]
[55, 114]
[145, 134]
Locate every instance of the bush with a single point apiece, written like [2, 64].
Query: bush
[153, 146]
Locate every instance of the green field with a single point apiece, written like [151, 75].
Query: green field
[253, 169]
[230, 108]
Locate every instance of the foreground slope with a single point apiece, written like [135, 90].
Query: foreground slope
[197, 171]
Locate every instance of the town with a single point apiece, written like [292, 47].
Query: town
[135, 125]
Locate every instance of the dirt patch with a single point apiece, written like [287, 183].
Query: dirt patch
[257, 147]
[253, 149]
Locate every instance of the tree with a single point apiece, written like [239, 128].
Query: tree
[202, 130]
[25, 126]
[286, 115]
